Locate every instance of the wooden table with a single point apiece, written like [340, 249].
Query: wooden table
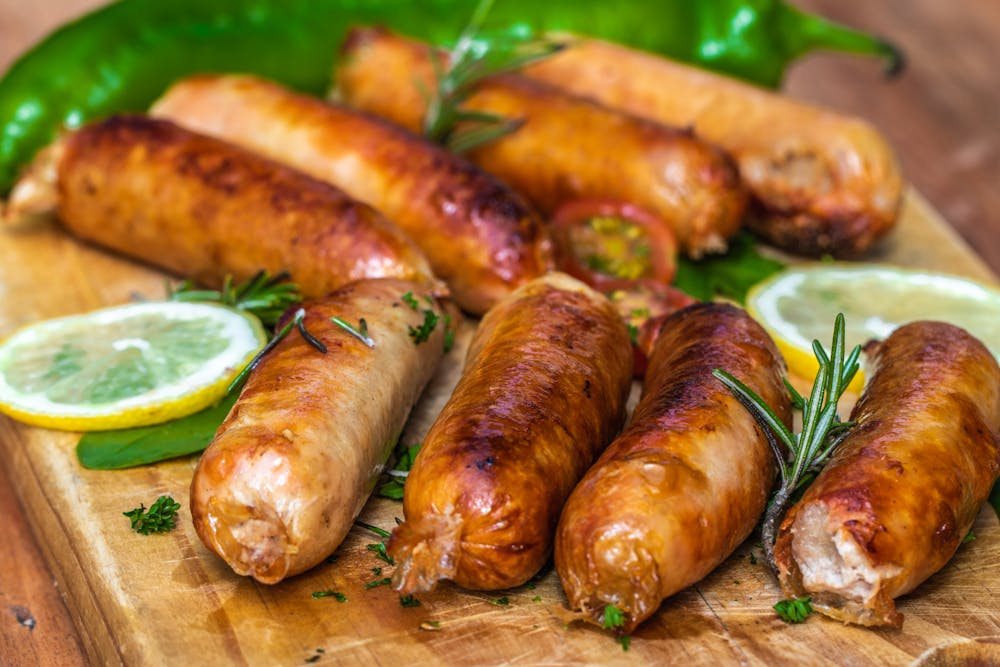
[940, 116]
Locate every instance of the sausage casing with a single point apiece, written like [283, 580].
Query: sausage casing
[567, 147]
[821, 182]
[479, 236]
[203, 209]
[901, 492]
[686, 481]
[543, 391]
[301, 450]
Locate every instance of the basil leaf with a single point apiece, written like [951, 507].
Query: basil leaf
[730, 275]
[126, 448]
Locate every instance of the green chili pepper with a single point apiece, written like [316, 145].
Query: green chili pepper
[123, 56]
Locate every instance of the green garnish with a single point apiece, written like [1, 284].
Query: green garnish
[613, 617]
[405, 456]
[475, 57]
[361, 333]
[160, 518]
[969, 537]
[411, 301]
[340, 597]
[794, 611]
[500, 602]
[422, 333]
[624, 640]
[537, 598]
[731, 274]
[408, 601]
[633, 332]
[822, 429]
[385, 581]
[381, 532]
[265, 296]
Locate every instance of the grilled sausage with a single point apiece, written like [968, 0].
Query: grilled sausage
[544, 390]
[686, 481]
[479, 236]
[821, 183]
[202, 208]
[567, 147]
[903, 489]
[300, 452]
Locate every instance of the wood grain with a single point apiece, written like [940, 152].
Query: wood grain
[940, 116]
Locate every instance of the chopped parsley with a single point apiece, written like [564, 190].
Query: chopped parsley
[411, 301]
[423, 333]
[337, 595]
[379, 549]
[160, 518]
[500, 602]
[408, 601]
[794, 611]
[385, 581]
[614, 619]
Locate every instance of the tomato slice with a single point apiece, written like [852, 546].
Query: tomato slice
[644, 305]
[611, 244]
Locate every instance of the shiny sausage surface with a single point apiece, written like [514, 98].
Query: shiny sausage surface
[479, 236]
[687, 480]
[821, 182]
[567, 148]
[543, 391]
[903, 489]
[298, 455]
[203, 209]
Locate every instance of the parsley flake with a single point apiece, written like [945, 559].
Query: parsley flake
[794, 611]
[337, 595]
[161, 517]
[423, 333]
[408, 601]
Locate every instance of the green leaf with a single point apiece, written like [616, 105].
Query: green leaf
[126, 448]
[730, 275]
[794, 611]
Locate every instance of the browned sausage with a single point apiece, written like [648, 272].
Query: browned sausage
[686, 481]
[902, 490]
[568, 147]
[202, 208]
[299, 453]
[543, 391]
[479, 236]
[822, 183]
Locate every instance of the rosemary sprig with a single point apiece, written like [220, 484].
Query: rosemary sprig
[475, 56]
[800, 456]
[295, 322]
[264, 295]
[361, 333]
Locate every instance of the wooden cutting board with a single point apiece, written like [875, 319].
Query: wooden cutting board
[166, 600]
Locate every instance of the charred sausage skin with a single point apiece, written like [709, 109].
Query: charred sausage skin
[479, 236]
[298, 455]
[820, 182]
[687, 480]
[567, 148]
[544, 390]
[203, 209]
[901, 492]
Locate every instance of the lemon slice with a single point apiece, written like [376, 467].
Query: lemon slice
[125, 366]
[801, 303]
